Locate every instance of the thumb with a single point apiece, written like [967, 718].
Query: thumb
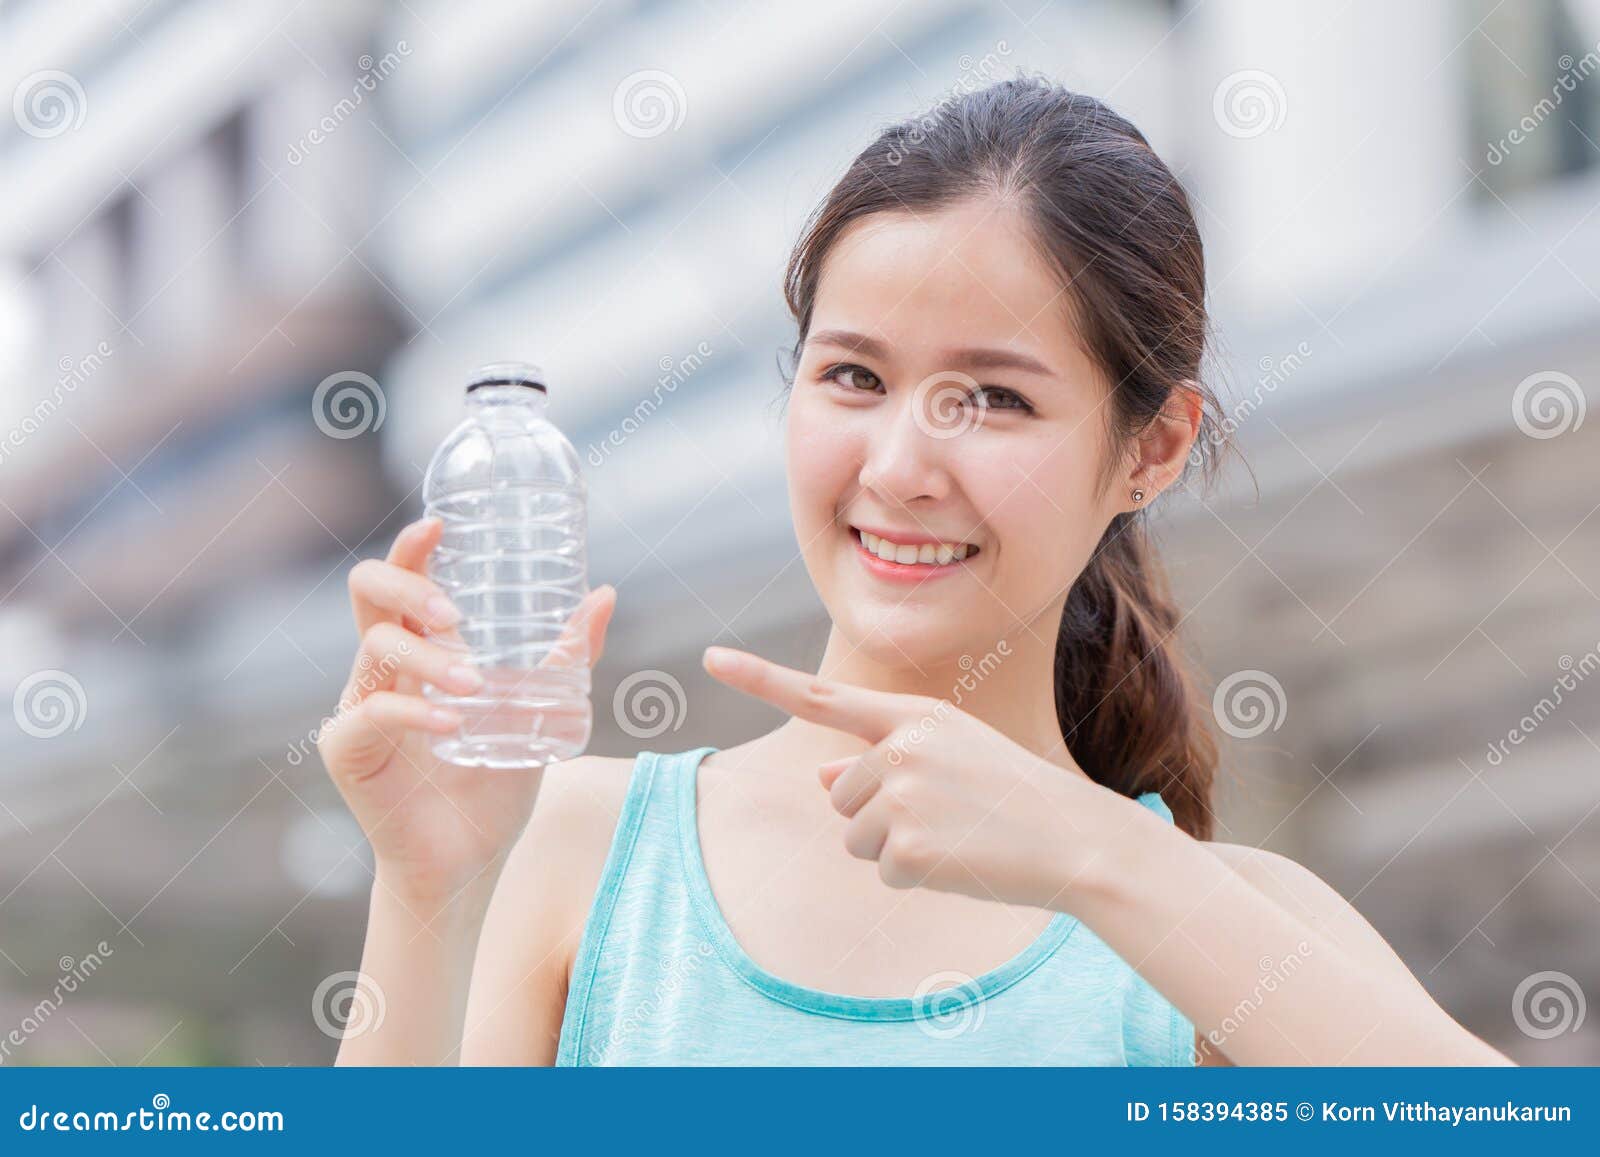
[833, 769]
[586, 626]
[597, 619]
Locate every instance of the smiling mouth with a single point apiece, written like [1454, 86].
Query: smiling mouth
[929, 556]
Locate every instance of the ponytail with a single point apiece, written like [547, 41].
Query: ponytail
[1124, 693]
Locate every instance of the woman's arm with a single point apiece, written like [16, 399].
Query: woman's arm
[942, 800]
[1271, 965]
[415, 969]
[481, 978]
[441, 835]
[535, 922]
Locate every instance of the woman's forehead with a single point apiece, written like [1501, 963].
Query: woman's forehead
[964, 276]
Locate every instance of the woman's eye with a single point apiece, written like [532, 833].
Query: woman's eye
[1000, 398]
[859, 379]
[853, 377]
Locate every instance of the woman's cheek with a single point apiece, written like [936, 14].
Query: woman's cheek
[821, 467]
[1009, 493]
[1036, 512]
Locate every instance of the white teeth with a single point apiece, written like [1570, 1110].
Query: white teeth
[926, 554]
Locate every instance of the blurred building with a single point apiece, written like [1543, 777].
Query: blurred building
[240, 290]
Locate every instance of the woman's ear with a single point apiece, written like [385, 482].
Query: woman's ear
[1165, 443]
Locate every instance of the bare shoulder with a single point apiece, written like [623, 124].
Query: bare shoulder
[587, 792]
[534, 925]
[1314, 902]
[559, 857]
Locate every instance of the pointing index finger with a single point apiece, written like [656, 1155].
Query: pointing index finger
[861, 711]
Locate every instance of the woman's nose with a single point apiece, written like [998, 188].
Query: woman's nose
[908, 453]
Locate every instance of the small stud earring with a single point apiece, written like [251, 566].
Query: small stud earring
[1138, 495]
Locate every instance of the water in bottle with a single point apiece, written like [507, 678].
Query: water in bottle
[513, 558]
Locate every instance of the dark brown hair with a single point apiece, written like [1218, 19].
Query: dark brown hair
[1114, 221]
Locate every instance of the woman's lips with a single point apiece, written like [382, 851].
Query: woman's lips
[905, 572]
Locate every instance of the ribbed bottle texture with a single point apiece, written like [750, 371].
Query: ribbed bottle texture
[513, 558]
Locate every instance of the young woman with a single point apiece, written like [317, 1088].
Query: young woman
[982, 836]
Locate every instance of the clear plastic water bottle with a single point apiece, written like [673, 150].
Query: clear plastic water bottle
[513, 558]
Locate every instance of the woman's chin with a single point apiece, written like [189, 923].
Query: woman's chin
[900, 638]
[921, 629]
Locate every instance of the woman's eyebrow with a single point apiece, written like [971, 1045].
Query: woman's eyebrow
[962, 359]
[858, 343]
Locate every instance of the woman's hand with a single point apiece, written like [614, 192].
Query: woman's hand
[940, 800]
[434, 826]
[944, 801]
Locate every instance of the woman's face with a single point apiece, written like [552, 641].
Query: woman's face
[942, 398]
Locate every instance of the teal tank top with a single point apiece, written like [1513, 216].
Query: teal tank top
[660, 980]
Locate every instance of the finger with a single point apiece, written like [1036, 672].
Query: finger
[383, 592]
[859, 710]
[388, 651]
[855, 787]
[409, 552]
[599, 620]
[865, 834]
[586, 626]
[414, 543]
[413, 550]
[358, 741]
[830, 771]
